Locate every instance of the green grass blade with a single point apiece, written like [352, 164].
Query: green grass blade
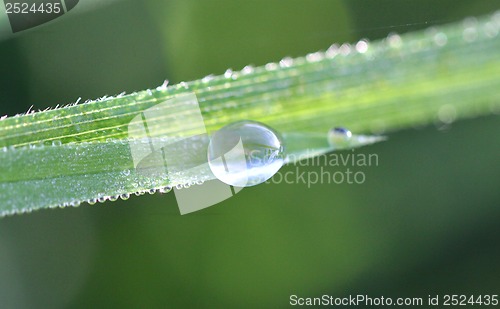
[83, 152]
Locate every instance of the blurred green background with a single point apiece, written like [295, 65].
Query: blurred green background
[425, 222]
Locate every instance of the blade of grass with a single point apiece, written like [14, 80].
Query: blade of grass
[80, 152]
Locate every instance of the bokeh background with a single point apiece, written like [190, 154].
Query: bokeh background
[425, 222]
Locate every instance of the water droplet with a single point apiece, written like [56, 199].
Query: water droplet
[165, 189]
[447, 114]
[362, 46]
[207, 78]
[92, 201]
[152, 191]
[126, 172]
[36, 145]
[125, 196]
[113, 198]
[56, 143]
[345, 49]
[228, 73]
[332, 51]
[394, 40]
[314, 57]
[440, 39]
[338, 136]
[245, 153]
[286, 62]
[271, 66]
[101, 199]
[248, 70]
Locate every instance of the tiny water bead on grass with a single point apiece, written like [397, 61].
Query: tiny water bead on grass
[338, 136]
[341, 138]
[245, 153]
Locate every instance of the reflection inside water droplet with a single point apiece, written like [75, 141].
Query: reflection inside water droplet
[245, 153]
[338, 136]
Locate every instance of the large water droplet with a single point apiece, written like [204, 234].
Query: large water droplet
[338, 136]
[245, 153]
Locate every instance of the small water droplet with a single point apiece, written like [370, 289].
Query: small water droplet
[36, 145]
[440, 39]
[338, 136]
[165, 189]
[207, 78]
[394, 40]
[332, 51]
[92, 201]
[101, 199]
[271, 66]
[245, 153]
[125, 196]
[152, 191]
[286, 62]
[228, 73]
[447, 113]
[315, 57]
[126, 172]
[248, 70]
[56, 143]
[362, 46]
[113, 198]
[345, 49]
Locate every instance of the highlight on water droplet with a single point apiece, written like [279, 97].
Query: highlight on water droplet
[245, 153]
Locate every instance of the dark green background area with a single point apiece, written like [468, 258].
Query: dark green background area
[425, 222]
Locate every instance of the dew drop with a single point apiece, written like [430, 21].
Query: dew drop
[92, 201]
[126, 172]
[113, 198]
[228, 73]
[101, 199]
[338, 136]
[152, 191]
[245, 153]
[125, 196]
[362, 46]
[165, 189]
[248, 70]
[345, 49]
